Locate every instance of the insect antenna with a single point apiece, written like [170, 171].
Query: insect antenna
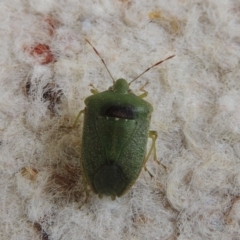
[95, 50]
[154, 65]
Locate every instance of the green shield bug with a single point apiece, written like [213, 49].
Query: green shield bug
[115, 134]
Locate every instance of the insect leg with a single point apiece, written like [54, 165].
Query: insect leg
[93, 90]
[77, 118]
[153, 136]
[145, 93]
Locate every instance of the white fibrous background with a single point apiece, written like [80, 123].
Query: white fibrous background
[47, 69]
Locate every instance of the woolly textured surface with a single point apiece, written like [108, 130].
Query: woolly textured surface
[46, 69]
